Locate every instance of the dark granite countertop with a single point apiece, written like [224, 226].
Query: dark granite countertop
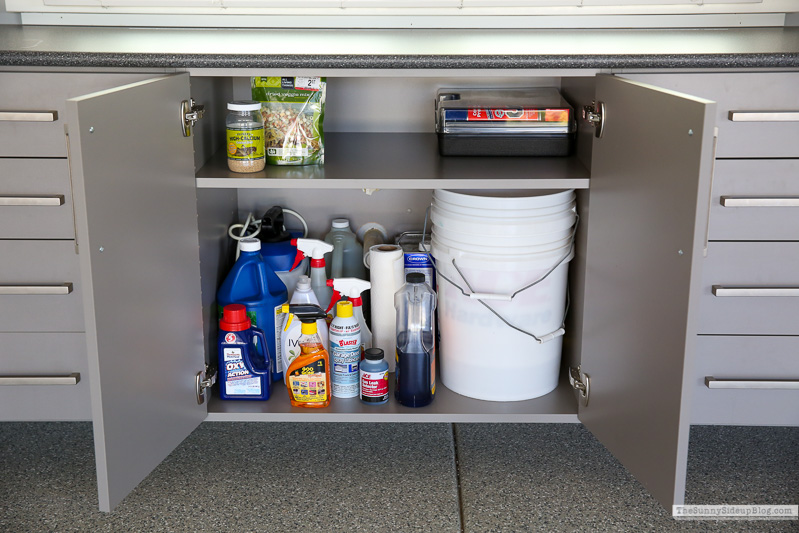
[65, 46]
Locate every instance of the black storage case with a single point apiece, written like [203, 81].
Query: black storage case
[504, 122]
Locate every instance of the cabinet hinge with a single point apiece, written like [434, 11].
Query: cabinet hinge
[203, 381]
[190, 112]
[594, 114]
[580, 382]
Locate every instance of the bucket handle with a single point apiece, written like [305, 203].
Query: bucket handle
[482, 296]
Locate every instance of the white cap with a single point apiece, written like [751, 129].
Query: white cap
[303, 283]
[250, 244]
[339, 223]
[244, 105]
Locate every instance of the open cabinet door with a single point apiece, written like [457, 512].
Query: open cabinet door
[136, 212]
[648, 209]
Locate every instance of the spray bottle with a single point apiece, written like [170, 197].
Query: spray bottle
[290, 335]
[345, 351]
[308, 380]
[352, 288]
[316, 250]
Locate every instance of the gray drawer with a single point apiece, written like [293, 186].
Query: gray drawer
[747, 278]
[33, 268]
[746, 360]
[46, 356]
[39, 131]
[745, 93]
[755, 200]
[35, 199]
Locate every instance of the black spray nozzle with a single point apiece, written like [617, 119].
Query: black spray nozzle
[305, 312]
[272, 226]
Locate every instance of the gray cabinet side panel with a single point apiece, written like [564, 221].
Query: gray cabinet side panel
[136, 211]
[649, 190]
[217, 210]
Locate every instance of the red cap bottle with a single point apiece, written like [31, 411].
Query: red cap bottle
[234, 318]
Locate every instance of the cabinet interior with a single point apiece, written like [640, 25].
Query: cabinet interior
[382, 165]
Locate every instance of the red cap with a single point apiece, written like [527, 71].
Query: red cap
[356, 301]
[234, 318]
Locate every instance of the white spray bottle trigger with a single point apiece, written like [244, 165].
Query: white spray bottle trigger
[313, 248]
[349, 287]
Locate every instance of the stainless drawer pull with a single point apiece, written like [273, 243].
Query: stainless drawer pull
[68, 379]
[720, 290]
[760, 201]
[764, 116]
[64, 288]
[713, 383]
[32, 200]
[28, 116]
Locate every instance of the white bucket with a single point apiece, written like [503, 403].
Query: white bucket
[503, 200]
[491, 214]
[481, 356]
[489, 245]
[502, 244]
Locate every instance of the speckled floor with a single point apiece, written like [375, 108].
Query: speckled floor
[387, 478]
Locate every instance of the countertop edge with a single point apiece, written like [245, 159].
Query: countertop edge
[367, 61]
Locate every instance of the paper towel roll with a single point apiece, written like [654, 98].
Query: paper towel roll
[387, 275]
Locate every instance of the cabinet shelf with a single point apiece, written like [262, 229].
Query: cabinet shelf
[559, 406]
[400, 161]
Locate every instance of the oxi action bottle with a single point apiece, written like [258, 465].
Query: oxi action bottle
[244, 362]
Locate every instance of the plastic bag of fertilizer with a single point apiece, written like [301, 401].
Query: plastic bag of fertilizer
[293, 110]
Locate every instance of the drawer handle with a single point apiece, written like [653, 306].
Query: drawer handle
[28, 116]
[32, 200]
[64, 288]
[69, 379]
[720, 290]
[760, 201]
[714, 383]
[764, 116]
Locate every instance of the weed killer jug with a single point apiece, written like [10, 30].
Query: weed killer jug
[244, 362]
[254, 284]
[415, 371]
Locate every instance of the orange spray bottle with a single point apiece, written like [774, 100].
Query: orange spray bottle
[308, 375]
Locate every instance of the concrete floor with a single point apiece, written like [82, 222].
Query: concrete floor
[387, 478]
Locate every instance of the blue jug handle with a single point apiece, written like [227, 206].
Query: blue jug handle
[264, 349]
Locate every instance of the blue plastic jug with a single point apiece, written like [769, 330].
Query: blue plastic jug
[253, 283]
[244, 362]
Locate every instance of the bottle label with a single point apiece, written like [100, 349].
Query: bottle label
[238, 380]
[308, 383]
[374, 386]
[278, 355]
[245, 144]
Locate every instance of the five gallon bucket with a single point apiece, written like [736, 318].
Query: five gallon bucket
[501, 337]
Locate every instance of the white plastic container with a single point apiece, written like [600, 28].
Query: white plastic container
[345, 352]
[289, 337]
[480, 355]
[502, 199]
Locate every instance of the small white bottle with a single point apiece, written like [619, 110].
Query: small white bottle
[345, 352]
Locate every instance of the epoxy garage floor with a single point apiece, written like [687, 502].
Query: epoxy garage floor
[387, 478]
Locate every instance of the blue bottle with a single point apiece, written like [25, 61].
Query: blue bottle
[415, 372]
[374, 377]
[254, 284]
[244, 362]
